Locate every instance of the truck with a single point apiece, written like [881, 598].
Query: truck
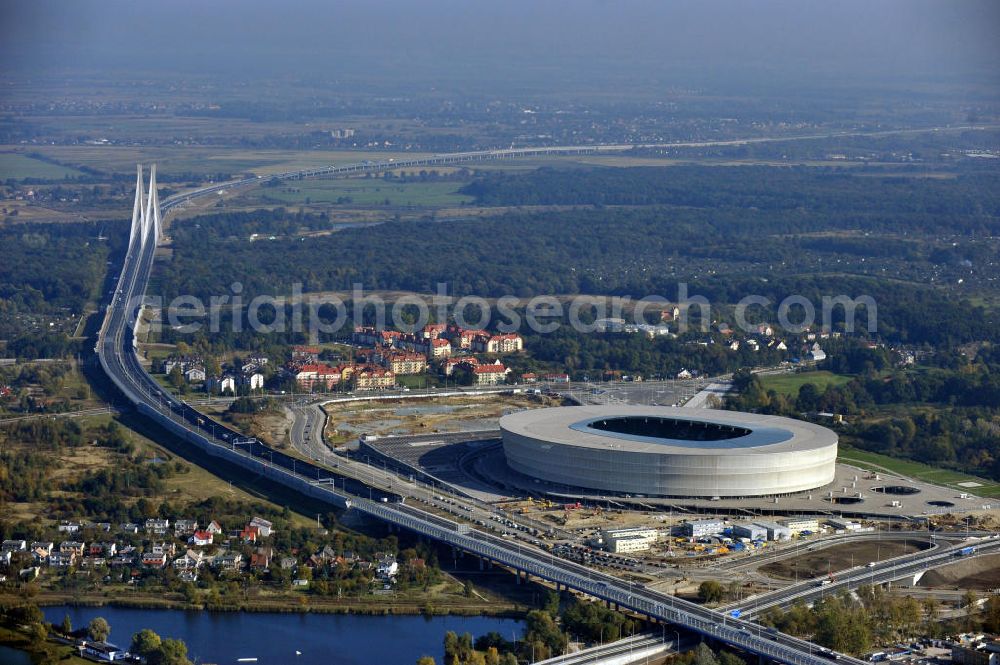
[966, 551]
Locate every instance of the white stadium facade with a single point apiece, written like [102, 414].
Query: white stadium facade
[667, 451]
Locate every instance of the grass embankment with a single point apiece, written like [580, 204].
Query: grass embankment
[285, 602]
[789, 384]
[52, 652]
[919, 471]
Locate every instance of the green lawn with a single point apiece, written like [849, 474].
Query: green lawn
[918, 471]
[789, 384]
[368, 192]
[17, 166]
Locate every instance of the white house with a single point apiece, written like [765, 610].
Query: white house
[195, 374]
[263, 526]
[201, 538]
[387, 567]
[14, 546]
[104, 651]
[252, 380]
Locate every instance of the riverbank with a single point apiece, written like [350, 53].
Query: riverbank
[16, 648]
[285, 605]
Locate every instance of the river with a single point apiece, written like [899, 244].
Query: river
[273, 639]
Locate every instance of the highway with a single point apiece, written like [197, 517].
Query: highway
[845, 580]
[117, 353]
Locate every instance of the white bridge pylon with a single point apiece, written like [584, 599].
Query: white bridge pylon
[145, 213]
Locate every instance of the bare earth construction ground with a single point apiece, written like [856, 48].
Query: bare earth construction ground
[840, 557]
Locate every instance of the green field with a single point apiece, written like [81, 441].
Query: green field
[17, 166]
[918, 471]
[789, 384]
[368, 192]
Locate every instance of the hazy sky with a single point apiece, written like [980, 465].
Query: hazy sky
[794, 40]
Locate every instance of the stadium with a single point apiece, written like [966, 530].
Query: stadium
[667, 451]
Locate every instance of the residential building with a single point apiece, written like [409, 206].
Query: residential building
[306, 354]
[195, 374]
[387, 566]
[41, 550]
[183, 363]
[371, 336]
[214, 528]
[261, 559]
[62, 559]
[253, 363]
[252, 380]
[201, 538]
[463, 338]
[97, 526]
[190, 575]
[14, 546]
[185, 527]
[229, 561]
[222, 384]
[504, 343]
[157, 526]
[438, 348]
[155, 558]
[373, 377]
[433, 330]
[404, 363]
[816, 353]
[68, 527]
[670, 313]
[490, 375]
[449, 365]
[72, 547]
[264, 527]
[325, 377]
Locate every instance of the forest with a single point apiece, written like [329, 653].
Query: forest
[971, 201]
[49, 274]
[205, 265]
[946, 414]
